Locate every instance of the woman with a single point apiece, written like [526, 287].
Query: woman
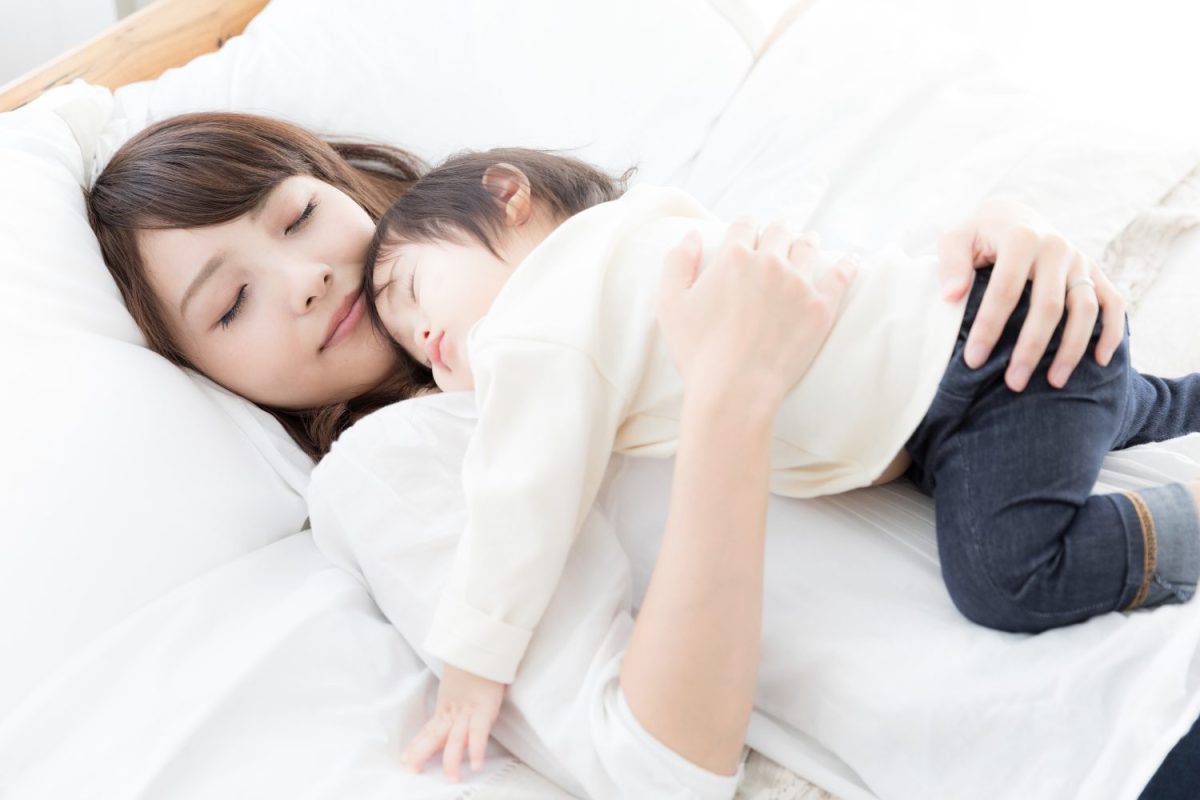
[236, 240]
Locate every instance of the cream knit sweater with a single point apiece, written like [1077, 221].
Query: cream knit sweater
[570, 365]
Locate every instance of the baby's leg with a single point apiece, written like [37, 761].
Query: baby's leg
[1024, 545]
[1160, 409]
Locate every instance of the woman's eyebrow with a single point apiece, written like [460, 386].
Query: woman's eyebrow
[263, 202]
[206, 272]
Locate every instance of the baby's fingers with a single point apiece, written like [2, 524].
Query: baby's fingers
[425, 744]
[481, 726]
[452, 756]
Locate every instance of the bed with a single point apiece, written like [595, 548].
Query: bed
[179, 634]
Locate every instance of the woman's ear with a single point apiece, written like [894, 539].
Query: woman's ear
[510, 186]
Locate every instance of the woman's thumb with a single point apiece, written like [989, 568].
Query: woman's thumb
[680, 264]
[835, 281]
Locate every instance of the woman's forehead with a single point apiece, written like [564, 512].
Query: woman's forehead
[174, 257]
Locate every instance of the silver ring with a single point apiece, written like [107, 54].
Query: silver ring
[1081, 282]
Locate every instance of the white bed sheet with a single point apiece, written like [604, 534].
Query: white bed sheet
[277, 676]
[273, 676]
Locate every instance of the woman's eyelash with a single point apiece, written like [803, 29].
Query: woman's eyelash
[412, 284]
[308, 209]
[229, 315]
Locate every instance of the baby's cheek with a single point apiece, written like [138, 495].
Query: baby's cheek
[460, 380]
[391, 325]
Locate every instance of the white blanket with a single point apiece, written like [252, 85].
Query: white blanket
[276, 675]
[272, 676]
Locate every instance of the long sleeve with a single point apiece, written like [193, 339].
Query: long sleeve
[386, 505]
[547, 421]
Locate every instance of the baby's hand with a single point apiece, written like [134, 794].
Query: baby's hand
[467, 706]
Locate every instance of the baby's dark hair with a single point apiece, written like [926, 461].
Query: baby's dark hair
[450, 202]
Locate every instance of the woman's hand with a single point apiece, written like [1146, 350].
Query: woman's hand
[467, 706]
[755, 317]
[1022, 245]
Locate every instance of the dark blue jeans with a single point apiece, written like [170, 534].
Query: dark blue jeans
[1024, 546]
[1178, 778]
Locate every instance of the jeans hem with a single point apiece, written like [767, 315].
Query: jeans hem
[1166, 516]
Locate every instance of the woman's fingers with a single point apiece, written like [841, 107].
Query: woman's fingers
[743, 231]
[776, 239]
[680, 265]
[834, 281]
[803, 248]
[1013, 264]
[1082, 309]
[430, 739]
[1046, 303]
[1112, 305]
[455, 742]
[956, 263]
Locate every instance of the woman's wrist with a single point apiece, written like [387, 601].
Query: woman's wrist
[738, 401]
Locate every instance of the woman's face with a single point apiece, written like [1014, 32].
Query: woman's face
[259, 295]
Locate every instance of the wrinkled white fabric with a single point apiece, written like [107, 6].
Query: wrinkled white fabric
[863, 652]
[387, 504]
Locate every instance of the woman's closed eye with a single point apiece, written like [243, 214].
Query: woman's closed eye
[308, 209]
[233, 312]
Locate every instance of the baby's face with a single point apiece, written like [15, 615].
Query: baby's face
[439, 290]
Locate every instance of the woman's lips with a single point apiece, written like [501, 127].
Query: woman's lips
[348, 323]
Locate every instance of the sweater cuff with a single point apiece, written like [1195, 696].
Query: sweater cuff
[465, 637]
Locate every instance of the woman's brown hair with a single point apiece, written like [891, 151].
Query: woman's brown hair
[211, 167]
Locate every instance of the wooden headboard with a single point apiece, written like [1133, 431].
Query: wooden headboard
[164, 34]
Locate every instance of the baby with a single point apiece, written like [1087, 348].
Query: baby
[532, 278]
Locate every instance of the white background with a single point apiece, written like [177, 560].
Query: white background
[1138, 57]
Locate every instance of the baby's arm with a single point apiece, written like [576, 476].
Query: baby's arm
[547, 422]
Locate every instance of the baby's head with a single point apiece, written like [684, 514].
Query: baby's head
[442, 252]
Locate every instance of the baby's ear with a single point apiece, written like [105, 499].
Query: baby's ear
[510, 186]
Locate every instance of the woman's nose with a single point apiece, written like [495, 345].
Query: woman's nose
[315, 288]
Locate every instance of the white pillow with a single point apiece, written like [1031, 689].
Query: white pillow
[619, 82]
[875, 123]
[125, 476]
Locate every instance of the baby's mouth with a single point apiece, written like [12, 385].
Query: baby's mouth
[435, 352]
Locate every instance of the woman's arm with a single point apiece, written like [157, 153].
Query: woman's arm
[741, 337]
[689, 672]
